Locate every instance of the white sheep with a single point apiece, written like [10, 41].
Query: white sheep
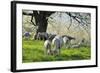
[47, 46]
[57, 43]
[65, 40]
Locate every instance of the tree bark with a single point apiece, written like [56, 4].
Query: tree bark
[41, 21]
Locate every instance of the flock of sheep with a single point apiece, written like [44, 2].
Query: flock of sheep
[52, 42]
[53, 47]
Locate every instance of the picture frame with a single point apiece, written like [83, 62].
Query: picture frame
[18, 9]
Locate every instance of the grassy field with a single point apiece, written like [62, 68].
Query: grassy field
[33, 51]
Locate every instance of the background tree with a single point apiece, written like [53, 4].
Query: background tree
[41, 19]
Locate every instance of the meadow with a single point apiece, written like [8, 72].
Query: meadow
[33, 51]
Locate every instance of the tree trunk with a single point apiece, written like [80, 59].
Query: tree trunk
[41, 21]
[42, 27]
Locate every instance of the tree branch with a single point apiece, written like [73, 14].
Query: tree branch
[32, 19]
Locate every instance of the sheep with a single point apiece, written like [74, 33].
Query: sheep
[68, 40]
[78, 44]
[61, 40]
[51, 36]
[47, 46]
[69, 37]
[27, 35]
[42, 36]
[65, 40]
[57, 43]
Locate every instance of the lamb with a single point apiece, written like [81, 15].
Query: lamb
[47, 46]
[79, 44]
[57, 43]
[42, 36]
[65, 40]
[51, 36]
[27, 35]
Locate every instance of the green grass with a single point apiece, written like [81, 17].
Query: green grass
[33, 51]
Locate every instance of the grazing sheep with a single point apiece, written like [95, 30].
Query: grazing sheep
[42, 36]
[57, 43]
[65, 40]
[61, 40]
[27, 35]
[51, 36]
[47, 45]
[69, 39]
[79, 44]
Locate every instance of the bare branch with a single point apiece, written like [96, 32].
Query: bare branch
[32, 19]
[70, 22]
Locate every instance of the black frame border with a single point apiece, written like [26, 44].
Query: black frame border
[13, 35]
